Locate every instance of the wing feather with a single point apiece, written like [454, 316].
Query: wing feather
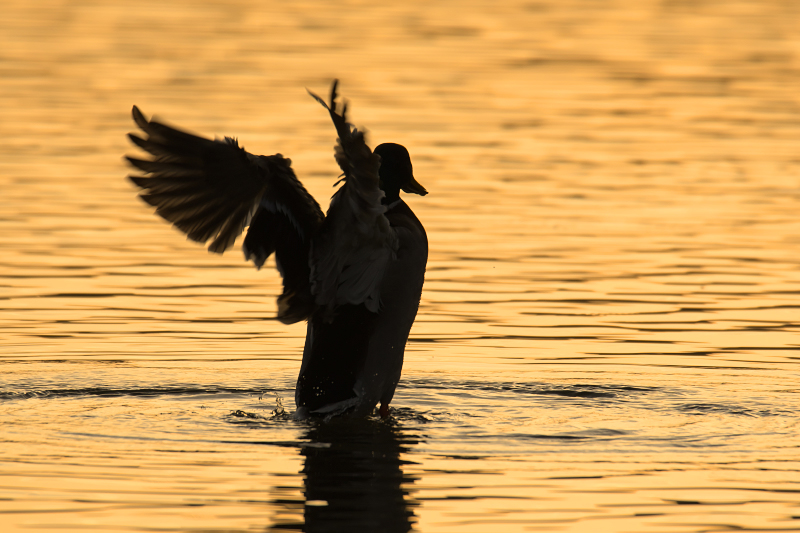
[356, 241]
[213, 190]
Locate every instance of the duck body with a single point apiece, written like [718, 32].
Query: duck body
[355, 274]
[353, 359]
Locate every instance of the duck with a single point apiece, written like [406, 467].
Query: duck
[354, 273]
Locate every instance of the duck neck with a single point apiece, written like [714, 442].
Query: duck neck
[391, 196]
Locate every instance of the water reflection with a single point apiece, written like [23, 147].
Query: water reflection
[354, 479]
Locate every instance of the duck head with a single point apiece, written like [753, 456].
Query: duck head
[396, 173]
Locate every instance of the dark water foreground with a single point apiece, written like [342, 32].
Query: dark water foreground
[462, 452]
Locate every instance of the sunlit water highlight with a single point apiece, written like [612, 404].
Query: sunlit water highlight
[608, 336]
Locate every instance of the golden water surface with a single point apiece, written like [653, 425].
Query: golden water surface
[609, 334]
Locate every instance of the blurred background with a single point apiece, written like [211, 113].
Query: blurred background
[608, 335]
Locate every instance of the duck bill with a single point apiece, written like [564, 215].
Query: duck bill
[415, 187]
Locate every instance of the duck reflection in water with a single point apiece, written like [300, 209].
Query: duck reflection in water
[354, 479]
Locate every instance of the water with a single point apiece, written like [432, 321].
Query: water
[608, 335]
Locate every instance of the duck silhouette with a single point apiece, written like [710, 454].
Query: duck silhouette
[355, 274]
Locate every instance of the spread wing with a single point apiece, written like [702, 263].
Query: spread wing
[212, 190]
[355, 242]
